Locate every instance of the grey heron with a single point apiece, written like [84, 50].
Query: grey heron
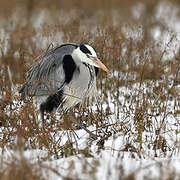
[63, 77]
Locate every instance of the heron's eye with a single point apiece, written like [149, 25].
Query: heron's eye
[87, 55]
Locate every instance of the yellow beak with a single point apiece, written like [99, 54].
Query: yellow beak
[100, 65]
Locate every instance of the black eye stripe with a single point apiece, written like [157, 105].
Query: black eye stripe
[84, 49]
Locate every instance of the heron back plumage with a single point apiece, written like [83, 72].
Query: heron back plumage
[47, 75]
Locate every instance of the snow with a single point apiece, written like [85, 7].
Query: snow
[113, 161]
[107, 166]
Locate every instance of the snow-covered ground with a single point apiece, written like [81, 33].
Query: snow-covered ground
[110, 163]
[121, 154]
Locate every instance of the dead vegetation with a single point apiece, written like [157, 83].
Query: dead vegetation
[142, 85]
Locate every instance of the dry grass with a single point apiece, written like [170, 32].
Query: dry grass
[136, 62]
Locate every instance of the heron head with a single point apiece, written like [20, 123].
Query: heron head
[87, 54]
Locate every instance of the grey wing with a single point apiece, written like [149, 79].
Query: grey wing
[47, 76]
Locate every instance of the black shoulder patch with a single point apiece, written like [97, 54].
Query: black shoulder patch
[69, 67]
[84, 49]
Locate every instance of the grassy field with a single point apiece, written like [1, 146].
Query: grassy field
[137, 114]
